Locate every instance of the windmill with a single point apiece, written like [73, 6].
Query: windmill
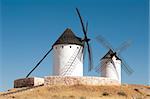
[66, 50]
[69, 68]
[112, 62]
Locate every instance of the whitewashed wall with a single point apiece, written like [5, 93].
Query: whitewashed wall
[61, 56]
[109, 71]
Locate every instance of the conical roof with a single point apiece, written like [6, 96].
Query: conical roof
[68, 37]
[110, 54]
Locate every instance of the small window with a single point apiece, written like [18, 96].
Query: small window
[62, 46]
[77, 47]
[70, 46]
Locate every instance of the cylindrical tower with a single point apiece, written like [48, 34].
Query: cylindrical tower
[68, 55]
[111, 66]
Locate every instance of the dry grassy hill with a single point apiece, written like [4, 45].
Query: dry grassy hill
[81, 92]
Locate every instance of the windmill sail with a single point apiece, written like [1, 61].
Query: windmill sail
[126, 67]
[104, 42]
[123, 46]
[86, 39]
[116, 52]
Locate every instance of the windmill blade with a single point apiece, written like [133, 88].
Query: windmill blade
[125, 66]
[86, 39]
[123, 46]
[90, 64]
[100, 66]
[84, 51]
[84, 48]
[104, 42]
[39, 63]
[83, 28]
[86, 27]
[84, 31]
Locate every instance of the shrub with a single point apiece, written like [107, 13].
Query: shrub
[148, 95]
[105, 94]
[148, 87]
[72, 97]
[13, 96]
[122, 93]
[136, 90]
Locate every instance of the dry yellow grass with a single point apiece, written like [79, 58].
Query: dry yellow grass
[83, 92]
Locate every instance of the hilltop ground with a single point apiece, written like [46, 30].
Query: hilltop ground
[81, 92]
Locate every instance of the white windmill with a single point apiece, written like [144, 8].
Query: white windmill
[68, 53]
[111, 63]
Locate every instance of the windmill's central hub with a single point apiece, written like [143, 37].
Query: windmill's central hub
[86, 40]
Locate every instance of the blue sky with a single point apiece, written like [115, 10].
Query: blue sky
[30, 27]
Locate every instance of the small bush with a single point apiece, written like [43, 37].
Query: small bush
[122, 94]
[148, 95]
[72, 97]
[136, 90]
[148, 87]
[105, 94]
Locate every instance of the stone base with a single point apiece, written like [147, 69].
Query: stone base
[28, 82]
[64, 80]
[85, 80]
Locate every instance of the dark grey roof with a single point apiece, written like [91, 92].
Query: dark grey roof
[110, 54]
[68, 37]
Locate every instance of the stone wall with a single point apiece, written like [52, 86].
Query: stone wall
[64, 80]
[28, 82]
[86, 80]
